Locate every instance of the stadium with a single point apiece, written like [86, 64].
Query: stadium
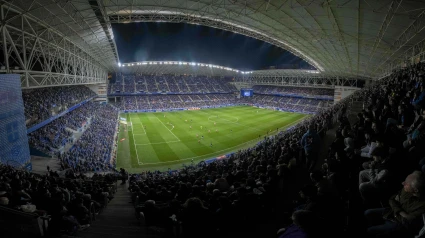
[227, 118]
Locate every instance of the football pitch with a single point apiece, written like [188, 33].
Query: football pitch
[162, 140]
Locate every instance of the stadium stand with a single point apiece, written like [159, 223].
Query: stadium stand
[294, 99]
[137, 84]
[93, 151]
[295, 91]
[373, 153]
[163, 102]
[43, 103]
[33, 205]
[302, 105]
[228, 196]
[354, 168]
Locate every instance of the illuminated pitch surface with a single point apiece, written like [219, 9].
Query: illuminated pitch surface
[155, 142]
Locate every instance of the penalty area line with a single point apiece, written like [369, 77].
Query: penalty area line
[229, 148]
[167, 128]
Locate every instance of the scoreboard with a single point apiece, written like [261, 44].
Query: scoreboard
[247, 92]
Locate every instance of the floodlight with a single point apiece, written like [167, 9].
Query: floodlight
[144, 63]
[199, 64]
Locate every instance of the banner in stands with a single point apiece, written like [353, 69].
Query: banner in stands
[14, 148]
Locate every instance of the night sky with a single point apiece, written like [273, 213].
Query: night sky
[156, 41]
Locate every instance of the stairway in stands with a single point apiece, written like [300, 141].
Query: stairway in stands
[117, 219]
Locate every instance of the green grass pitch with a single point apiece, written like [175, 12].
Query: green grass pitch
[162, 140]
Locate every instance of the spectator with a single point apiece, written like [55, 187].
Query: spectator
[304, 225]
[406, 209]
[311, 143]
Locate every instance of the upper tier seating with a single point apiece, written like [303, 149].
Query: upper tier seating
[42, 103]
[169, 83]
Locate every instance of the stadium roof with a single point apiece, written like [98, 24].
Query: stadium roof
[348, 38]
[193, 68]
[179, 67]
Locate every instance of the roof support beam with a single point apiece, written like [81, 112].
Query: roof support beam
[395, 4]
[323, 32]
[338, 32]
[414, 29]
[101, 15]
[43, 57]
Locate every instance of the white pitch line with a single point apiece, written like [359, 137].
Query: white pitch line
[142, 126]
[134, 142]
[167, 128]
[248, 142]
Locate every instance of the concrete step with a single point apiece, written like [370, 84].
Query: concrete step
[117, 220]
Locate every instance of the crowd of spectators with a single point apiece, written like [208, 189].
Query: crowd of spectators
[163, 102]
[49, 138]
[366, 165]
[383, 150]
[303, 105]
[225, 197]
[92, 152]
[42, 103]
[169, 83]
[304, 100]
[70, 203]
[296, 91]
